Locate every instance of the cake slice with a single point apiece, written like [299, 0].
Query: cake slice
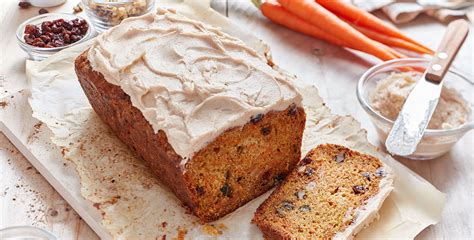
[332, 194]
[209, 115]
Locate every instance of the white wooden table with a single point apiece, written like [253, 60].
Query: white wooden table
[27, 199]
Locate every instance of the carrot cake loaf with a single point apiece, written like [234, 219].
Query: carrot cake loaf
[209, 115]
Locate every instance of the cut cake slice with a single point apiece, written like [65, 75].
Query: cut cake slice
[332, 194]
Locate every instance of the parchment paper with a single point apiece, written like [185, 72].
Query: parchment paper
[134, 205]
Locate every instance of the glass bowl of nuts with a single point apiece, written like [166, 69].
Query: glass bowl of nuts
[108, 13]
[46, 34]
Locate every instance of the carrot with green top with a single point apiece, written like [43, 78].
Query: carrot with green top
[363, 18]
[316, 15]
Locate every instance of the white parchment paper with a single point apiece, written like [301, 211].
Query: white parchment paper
[135, 205]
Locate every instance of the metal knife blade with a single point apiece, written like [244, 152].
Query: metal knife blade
[414, 117]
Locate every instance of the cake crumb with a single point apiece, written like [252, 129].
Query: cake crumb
[211, 230]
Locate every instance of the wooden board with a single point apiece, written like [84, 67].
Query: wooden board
[335, 71]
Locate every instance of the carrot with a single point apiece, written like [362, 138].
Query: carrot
[315, 14]
[394, 52]
[275, 12]
[392, 41]
[363, 18]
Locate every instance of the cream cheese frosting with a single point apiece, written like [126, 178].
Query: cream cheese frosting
[189, 79]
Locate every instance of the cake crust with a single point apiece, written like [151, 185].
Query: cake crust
[239, 165]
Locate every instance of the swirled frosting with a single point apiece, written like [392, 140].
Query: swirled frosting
[189, 79]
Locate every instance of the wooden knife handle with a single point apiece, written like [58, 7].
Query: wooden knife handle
[452, 41]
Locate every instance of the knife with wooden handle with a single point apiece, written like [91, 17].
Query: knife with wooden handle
[420, 104]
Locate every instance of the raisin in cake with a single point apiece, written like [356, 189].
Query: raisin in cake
[332, 194]
[213, 120]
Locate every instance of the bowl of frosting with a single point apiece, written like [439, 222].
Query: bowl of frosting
[382, 91]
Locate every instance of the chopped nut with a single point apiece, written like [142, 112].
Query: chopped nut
[300, 195]
[265, 131]
[288, 205]
[226, 190]
[77, 8]
[340, 157]
[305, 208]
[301, 169]
[380, 172]
[366, 175]
[280, 212]
[256, 118]
[359, 189]
[115, 13]
[310, 186]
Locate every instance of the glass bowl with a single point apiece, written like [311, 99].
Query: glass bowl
[435, 142]
[25, 232]
[108, 13]
[39, 53]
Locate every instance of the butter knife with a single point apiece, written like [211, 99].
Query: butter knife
[420, 104]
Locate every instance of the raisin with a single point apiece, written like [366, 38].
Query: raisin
[31, 29]
[24, 5]
[305, 208]
[292, 111]
[75, 38]
[67, 26]
[226, 190]
[240, 149]
[265, 131]
[366, 175]
[309, 171]
[288, 205]
[45, 38]
[200, 190]
[55, 33]
[280, 177]
[43, 11]
[306, 160]
[340, 157]
[256, 118]
[358, 189]
[56, 29]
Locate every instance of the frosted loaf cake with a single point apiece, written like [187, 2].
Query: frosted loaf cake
[213, 120]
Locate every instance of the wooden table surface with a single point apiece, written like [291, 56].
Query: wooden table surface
[27, 199]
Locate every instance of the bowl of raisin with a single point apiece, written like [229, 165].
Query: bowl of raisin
[47, 34]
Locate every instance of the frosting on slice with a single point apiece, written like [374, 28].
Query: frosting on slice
[189, 79]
